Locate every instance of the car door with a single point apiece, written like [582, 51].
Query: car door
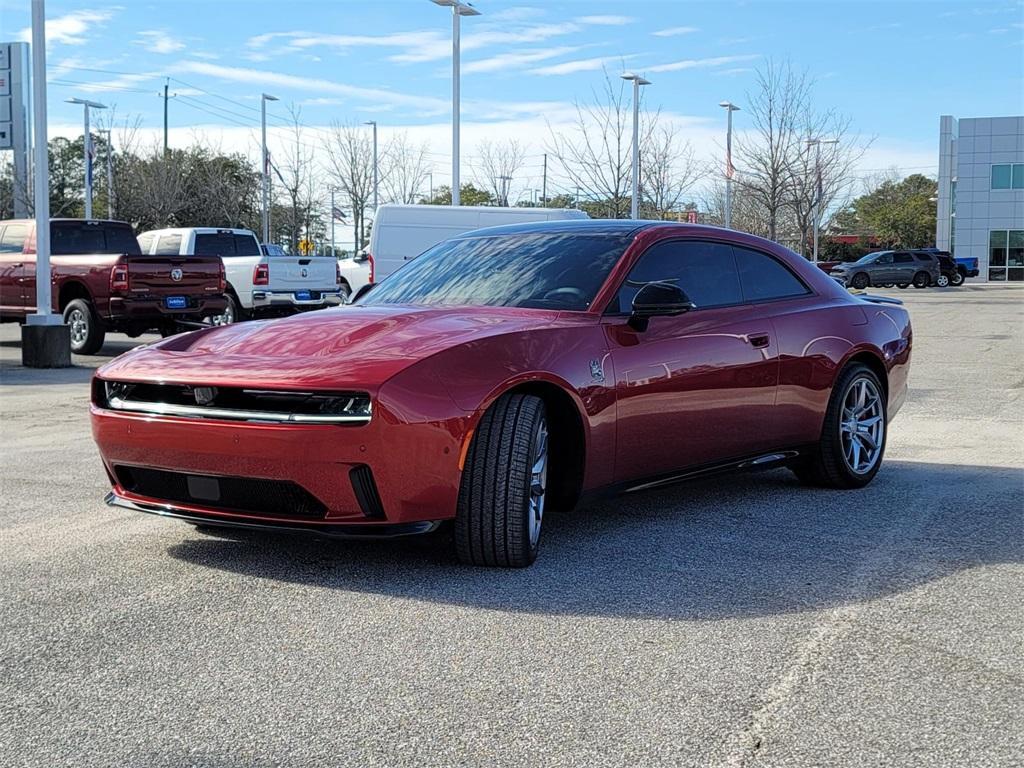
[881, 270]
[903, 268]
[12, 268]
[697, 388]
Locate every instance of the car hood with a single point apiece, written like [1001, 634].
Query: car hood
[333, 348]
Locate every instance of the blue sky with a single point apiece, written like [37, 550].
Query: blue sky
[893, 67]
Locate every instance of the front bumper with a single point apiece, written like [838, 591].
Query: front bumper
[262, 299]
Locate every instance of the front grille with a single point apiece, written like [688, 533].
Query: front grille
[366, 491]
[280, 498]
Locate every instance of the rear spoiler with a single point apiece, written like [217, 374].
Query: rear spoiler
[879, 299]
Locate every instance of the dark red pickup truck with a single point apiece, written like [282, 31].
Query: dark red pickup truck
[102, 282]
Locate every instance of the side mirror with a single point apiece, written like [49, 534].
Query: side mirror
[360, 257]
[656, 300]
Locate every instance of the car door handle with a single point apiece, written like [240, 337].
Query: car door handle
[759, 340]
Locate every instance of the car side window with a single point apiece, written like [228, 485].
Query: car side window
[764, 278]
[924, 257]
[168, 245]
[13, 238]
[705, 271]
[902, 258]
[885, 258]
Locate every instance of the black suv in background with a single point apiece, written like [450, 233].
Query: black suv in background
[950, 273]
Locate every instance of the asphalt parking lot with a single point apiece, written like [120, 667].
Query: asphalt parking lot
[745, 621]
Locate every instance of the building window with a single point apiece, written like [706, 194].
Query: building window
[1006, 254]
[1008, 176]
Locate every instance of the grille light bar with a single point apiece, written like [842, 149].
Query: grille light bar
[239, 404]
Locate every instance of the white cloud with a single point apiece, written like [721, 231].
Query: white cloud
[580, 65]
[159, 41]
[605, 21]
[71, 28]
[674, 31]
[516, 60]
[715, 61]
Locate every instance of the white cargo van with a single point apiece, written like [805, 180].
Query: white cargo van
[403, 232]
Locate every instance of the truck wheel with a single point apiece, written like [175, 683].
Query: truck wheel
[860, 281]
[956, 279]
[87, 331]
[852, 443]
[233, 312]
[942, 281]
[501, 499]
[922, 280]
[346, 293]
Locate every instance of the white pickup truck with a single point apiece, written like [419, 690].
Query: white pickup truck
[257, 284]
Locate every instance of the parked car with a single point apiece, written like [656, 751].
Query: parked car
[402, 232]
[356, 273]
[258, 285]
[102, 282]
[886, 268]
[503, 374]
[954, 271]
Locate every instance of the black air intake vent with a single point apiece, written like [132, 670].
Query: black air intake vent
[366, 491]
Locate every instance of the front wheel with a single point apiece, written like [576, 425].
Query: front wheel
[860, 281]
[852, 443]
[902, 286]
[87, 331]
[922, 280]
[504, 485]
[956, 279]
[942, 281]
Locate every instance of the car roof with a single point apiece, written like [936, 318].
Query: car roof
[587, 227]
[199, 230]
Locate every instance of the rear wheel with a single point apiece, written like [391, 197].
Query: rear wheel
[922, 280]
[901, 286]
[233, 312]
[942, 281]
[87, 331]
[504, 484]
[852, 442]
[956, 279]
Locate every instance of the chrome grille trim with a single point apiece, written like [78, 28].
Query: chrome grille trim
[231, 414]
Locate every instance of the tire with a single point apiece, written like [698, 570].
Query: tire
[87, 331]
[902, 286]
[957, 279]
[942, 281]
[169, 329]
[501, 498]
[860, 281]
[346, 293]
[922, 280]
[233, 313]
[830, 464]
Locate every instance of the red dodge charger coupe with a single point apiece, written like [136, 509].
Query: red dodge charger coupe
[505, 373]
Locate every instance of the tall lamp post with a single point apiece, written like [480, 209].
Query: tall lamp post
[87, 150]
[459, 9]
[110, 177]
[375, 166]
[265, 166]
[634, 210]
[505, 182]
[816, 143]
[730, 108]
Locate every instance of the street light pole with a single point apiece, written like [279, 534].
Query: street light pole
[333, 252]
[86, 146]
[459, 9]
[110, 178]
[265, 169]
[375, 166]
[505, 182]
[634, 210]
[816, 143]
[729, 108]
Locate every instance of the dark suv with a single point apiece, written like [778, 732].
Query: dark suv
[887, 268]
[950, 273]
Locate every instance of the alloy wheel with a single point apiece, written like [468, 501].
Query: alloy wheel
[862, 425]
[538, 481]
[79, 327]
[942, 281]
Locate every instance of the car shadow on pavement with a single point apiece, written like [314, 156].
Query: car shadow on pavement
[747, 545]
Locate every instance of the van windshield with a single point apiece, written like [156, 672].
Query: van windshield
[549, 270]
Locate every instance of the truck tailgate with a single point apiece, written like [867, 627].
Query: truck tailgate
[172, 275]
[290, 273]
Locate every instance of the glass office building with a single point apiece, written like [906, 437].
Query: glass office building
[981, 193]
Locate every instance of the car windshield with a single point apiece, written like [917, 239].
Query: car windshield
[868, 258]
[544, 270]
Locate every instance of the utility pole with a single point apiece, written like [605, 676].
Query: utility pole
[265, 157]
[544, 185]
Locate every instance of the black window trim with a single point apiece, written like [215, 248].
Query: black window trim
[746, 302]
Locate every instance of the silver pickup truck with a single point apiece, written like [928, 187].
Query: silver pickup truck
[258, 284]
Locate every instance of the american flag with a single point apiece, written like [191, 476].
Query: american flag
[338, 213]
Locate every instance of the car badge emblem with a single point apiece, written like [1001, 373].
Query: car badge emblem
[204, 395]
[596, 370]
[176, 275]
[305, 272]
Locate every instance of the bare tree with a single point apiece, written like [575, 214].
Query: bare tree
[596, 154]
[498, 164]
[748, 215]
[667, 171]
[350, 169]
[764, 155]
[404, 168]
[297, 172]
